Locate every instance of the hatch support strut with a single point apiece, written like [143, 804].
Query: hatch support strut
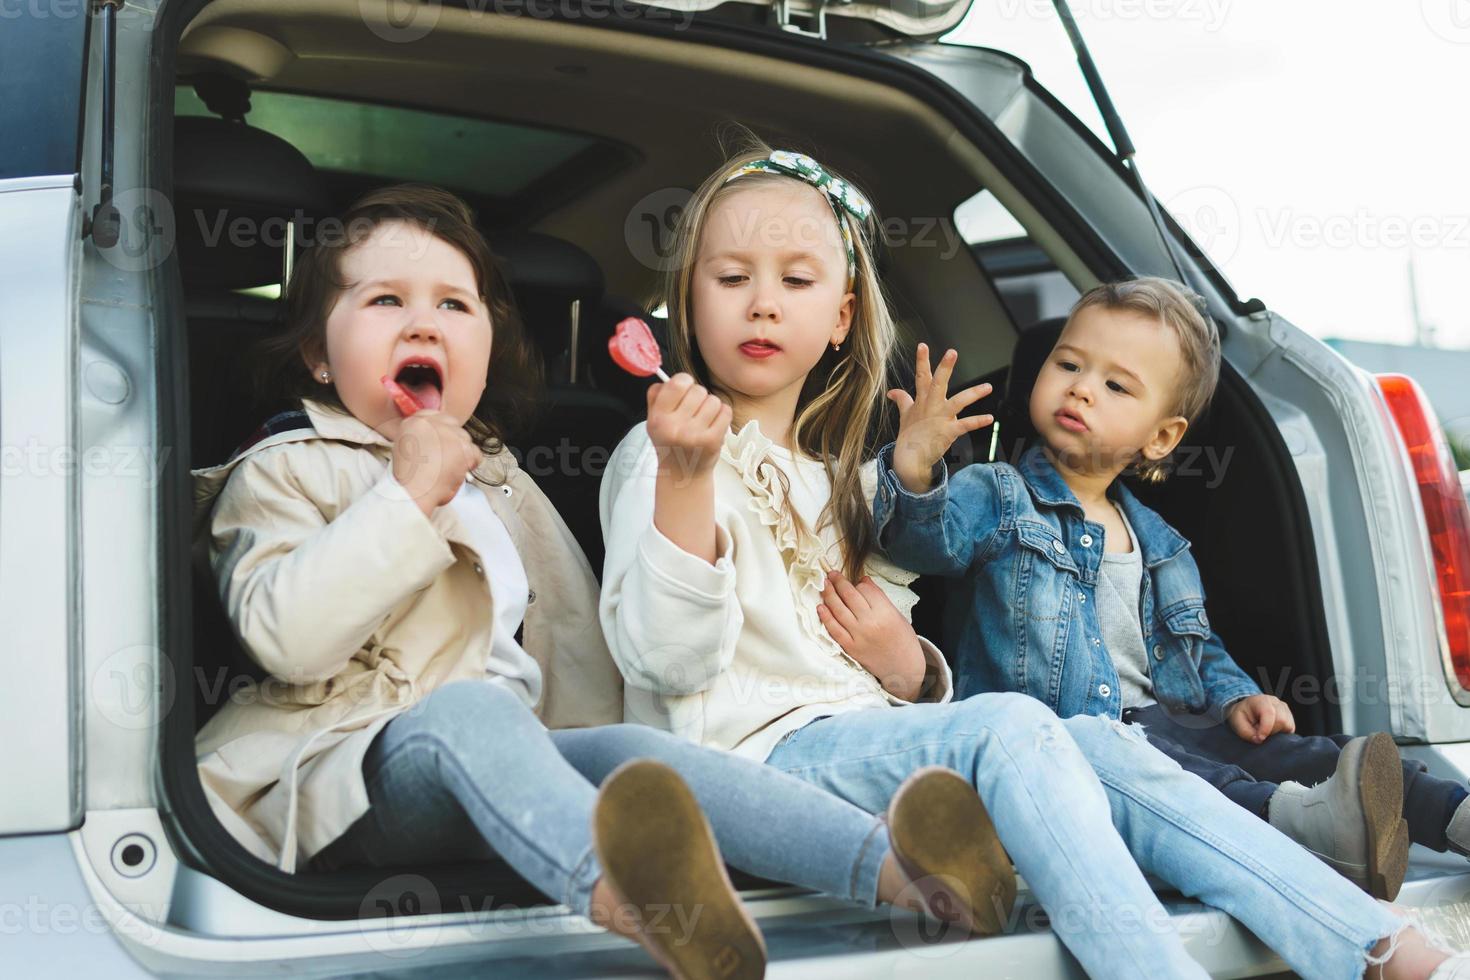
[106, 223]
[1121, 141]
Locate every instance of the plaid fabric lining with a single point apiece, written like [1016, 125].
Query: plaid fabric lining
[275, 425]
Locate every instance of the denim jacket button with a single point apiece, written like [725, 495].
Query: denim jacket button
[1057, 546]
[1203, 619]
[1087, 541]
[1158, 652]
[1082, 597]
[1104, 690]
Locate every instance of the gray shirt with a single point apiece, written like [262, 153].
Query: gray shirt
[1118, 587]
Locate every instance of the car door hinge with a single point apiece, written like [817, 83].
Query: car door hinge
[816, 21]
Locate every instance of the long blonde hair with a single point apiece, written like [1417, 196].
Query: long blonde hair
[843, 393]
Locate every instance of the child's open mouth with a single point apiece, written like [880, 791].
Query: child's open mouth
[422, 378]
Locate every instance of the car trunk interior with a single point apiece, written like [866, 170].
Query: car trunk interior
[651, 107]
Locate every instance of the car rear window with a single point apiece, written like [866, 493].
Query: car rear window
[476, 156]
[1029, 284]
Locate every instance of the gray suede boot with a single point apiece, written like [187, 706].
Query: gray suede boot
[1353, 821]
[1458, 832]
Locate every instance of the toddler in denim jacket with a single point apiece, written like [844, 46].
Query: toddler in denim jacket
[1071, 590]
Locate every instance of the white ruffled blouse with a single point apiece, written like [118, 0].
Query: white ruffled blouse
[733, 654]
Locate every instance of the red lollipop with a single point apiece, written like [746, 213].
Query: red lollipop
[406, 403]
[633, 348]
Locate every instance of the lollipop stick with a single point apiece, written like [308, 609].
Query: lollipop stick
[661, 375]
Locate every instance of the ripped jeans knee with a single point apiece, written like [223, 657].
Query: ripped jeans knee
[1047, 736]
[1130, 730]
[1116, 745]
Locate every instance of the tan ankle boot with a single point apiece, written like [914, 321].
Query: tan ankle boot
[943, 840]
[660, 859]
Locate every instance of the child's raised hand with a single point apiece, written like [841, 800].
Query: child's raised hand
[929, 422]
[431, 457]
[687, 425]
[1260, 716]
[871, 630]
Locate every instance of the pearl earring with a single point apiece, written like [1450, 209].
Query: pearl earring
[836, 348]
[326, 377]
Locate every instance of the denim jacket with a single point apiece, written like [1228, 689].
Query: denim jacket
[1022, 611]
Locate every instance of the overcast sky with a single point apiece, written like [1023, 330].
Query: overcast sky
[1311, 147]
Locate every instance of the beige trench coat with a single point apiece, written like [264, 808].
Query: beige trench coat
[358, 606]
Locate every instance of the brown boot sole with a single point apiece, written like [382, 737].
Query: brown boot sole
[1381, 787]
[944, 841]
[657, 851]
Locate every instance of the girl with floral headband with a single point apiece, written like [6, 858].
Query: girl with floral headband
[746, 608]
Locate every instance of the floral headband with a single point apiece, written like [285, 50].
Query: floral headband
[841, 195]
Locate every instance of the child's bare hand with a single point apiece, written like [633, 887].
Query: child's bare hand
[929, 422]
[1260, 716]
[869, 627]
[687, 425]
[431, 457]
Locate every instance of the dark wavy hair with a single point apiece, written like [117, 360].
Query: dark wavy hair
[514, 382]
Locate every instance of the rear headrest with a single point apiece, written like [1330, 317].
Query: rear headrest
[1013, 414]
[547, 274]
[1032, 348]
[544, 264]
[235, 186]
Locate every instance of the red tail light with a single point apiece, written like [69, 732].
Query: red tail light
[1445, 510]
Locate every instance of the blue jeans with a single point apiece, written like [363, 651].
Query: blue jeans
[469, 772]
[1082, 805]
